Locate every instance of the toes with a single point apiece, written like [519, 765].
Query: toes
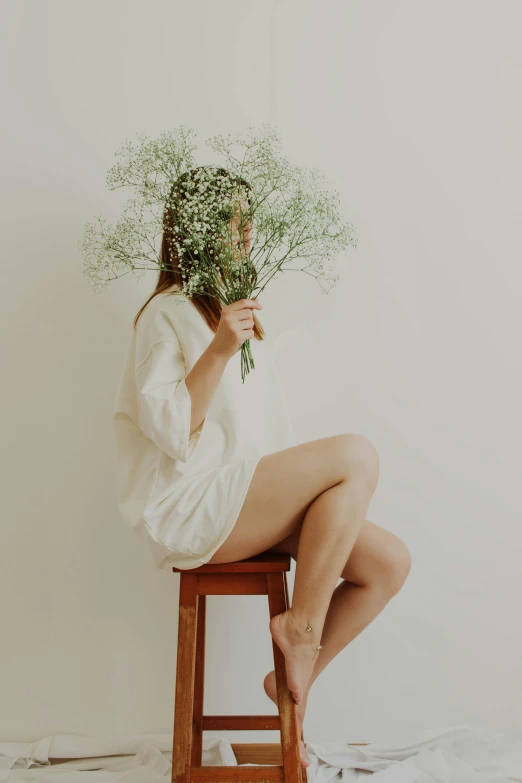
[305, 761]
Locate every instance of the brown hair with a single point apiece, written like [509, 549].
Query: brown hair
[170, 273]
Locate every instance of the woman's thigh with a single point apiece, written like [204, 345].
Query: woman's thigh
[284, 485]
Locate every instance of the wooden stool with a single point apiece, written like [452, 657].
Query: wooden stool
[264, 574]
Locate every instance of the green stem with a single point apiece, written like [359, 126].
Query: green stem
[247, 360]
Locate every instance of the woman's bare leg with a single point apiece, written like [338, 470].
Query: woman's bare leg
[323, 488]
[375, 571]
[285, 484]
[328, 533]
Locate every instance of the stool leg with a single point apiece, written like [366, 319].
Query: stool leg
[302, 770]
[277, 603]
[199, 685]
[185, 678]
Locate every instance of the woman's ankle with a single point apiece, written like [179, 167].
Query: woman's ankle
[305, 626]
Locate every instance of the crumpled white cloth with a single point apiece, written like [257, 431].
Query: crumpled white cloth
[458, 754]
[142, 759]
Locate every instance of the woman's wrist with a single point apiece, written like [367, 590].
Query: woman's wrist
[218, 353]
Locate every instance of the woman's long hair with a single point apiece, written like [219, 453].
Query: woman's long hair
[209, 307]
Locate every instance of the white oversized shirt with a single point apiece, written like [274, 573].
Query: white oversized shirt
[185, 490]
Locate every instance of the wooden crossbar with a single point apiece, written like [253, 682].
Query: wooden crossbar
[236, 774]
[232, 584]
[241, 722]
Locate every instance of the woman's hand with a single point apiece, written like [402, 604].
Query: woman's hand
[235, 326]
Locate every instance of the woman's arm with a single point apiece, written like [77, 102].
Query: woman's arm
[235, 326]
[202, 382]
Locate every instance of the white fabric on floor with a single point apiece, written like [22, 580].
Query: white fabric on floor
[458, 754]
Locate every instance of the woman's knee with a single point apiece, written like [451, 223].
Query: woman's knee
[358, 456]
[394, 566]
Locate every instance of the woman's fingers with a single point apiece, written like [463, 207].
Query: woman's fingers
[245, 303]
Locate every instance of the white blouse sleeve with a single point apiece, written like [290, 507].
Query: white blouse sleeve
[164, 403]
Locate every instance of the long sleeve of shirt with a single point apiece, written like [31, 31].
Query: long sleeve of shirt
[164, 401]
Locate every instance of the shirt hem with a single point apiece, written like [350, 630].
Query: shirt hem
[200, 561]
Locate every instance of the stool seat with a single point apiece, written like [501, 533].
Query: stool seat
[266, 562]
[263, 574]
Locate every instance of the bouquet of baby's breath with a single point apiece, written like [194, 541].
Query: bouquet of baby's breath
[230, 227]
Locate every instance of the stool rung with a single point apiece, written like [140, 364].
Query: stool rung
[241, 722]
[236, 774]
[258, 753]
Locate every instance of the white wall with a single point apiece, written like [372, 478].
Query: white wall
[413, 110]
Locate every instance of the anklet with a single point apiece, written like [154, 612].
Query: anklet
[307, 630]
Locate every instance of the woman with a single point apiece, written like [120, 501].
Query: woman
[209, 468]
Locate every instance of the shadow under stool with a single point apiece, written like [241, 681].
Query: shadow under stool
[264, 574]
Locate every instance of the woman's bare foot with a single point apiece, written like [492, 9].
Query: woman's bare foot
[271, 692]
[299, 648]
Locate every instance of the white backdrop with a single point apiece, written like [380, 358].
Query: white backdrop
[413, 111]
